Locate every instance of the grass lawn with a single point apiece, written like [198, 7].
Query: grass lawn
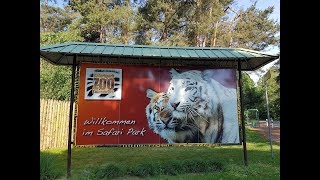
[227, 161]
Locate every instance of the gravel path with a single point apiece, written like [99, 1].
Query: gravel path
[264, 131]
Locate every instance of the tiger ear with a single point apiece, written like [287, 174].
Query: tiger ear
[173, 72]
[151, 93]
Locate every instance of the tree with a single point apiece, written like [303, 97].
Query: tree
[55, 19]
[203, 21]
[55, 80]
[254, 29]
[183, 23]
[106, 20]
[252, 96]
[273, 95]
[163, 22]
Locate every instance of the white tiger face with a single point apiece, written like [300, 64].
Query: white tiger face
[184, 92]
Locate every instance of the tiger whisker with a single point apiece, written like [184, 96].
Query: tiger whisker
[192, 126]
[194, 111]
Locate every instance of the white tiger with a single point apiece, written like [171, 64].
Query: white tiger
[161, 122]
[213, 107]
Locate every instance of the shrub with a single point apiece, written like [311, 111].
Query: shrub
[172, 167]
[110, 171]
[47, 167]
[146, 169]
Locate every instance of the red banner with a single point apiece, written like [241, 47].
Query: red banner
[123, 104]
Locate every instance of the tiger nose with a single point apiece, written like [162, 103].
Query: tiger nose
[175, 105]
[166, 121]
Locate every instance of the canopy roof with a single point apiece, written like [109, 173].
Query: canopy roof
[62, 54]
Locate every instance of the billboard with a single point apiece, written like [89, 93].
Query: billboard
[137, 104]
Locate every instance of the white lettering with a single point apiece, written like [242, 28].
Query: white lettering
[112, 132]
[135, 132]
[104, 121]
[87, 133]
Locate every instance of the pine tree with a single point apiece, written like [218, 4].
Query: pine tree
[254, 29]
[106, 20]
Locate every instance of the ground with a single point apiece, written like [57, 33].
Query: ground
[264, 131]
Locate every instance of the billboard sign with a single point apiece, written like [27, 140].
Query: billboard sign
[123, 104]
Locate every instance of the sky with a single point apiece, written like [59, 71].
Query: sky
[261, 4]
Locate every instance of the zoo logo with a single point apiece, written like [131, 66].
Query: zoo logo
[102, 84]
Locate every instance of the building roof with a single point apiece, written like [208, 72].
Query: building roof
[62, 54]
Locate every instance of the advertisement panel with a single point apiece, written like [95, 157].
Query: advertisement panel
[123, 104]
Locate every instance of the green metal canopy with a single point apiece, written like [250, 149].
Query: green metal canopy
[62, 54]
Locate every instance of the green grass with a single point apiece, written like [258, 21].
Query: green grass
[48, 168]
[193, 162]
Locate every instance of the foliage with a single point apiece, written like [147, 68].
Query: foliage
[55, 81]
[172, 167]
[55, 19]
[203, 22]
[47, 167]
[163, 22]
[48, 38]
[179, 23]
[176, 23]
[106, 20]
[273, 95]
[252, 96]
[255, 30]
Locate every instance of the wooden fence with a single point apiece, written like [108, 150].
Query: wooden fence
[54, 123]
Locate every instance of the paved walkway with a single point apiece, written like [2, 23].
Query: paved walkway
[264, 131]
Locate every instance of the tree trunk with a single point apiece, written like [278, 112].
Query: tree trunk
[164, 34]
[101, 38]
[231, 29]
[197, 39]
[238, 15]
[125, 38]
[199, 2]
[215, 34]
[204, 38]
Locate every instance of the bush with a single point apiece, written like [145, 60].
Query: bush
[173, 167]
[146, 169]
[110, 170]
[47, 167]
